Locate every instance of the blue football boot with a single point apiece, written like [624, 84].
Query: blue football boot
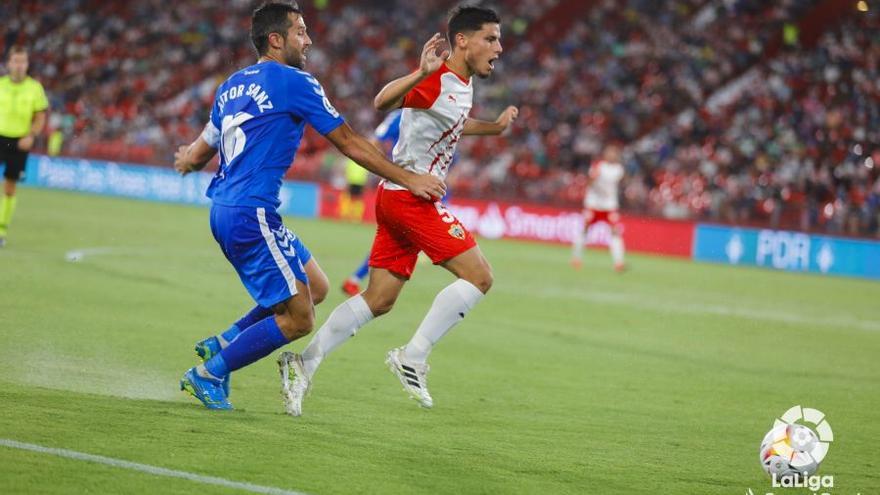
[208, 390]
[208, 348]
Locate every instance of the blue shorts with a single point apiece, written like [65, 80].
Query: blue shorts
[268, 257]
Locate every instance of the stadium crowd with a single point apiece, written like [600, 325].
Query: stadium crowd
[796, 147]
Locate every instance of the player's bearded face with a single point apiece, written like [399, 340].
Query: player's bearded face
[483, 49]
[297, 43]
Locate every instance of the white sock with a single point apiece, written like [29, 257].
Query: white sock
[616, 247]
[449, 308]
[204, 373]
[577, 245]
[342, 324]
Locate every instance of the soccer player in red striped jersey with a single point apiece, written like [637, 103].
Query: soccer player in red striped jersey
[436, 100]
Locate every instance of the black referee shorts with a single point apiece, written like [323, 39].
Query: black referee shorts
[14, 158]
[355, 190]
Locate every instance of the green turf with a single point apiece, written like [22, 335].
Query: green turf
[660, 380]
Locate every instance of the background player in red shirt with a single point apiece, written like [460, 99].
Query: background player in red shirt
[436, 100]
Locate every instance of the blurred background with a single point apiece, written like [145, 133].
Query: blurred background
[745, 112]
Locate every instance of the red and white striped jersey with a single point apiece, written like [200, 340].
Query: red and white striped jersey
[434, 113]
[602, 192]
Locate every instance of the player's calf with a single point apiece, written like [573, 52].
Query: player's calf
[379, 304]
[382, 291]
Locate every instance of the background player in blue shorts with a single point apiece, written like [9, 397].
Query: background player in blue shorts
[257, 121]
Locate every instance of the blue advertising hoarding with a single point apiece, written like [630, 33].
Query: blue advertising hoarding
[790, 251]
[150, 183]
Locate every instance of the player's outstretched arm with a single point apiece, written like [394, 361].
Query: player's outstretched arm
[391, 96]
[193, 157]
[475, 127]
[359, 149]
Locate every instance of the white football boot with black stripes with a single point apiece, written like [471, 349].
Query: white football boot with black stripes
[413, 376]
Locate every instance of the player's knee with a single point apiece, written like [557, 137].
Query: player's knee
[481, 279]
[297, 325]
[382, 307]
[484, 281]
[318, 297]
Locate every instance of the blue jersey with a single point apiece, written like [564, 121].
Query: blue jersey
[389, 130]
[257, 121]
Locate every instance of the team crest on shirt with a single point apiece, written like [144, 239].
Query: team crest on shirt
[457, 231]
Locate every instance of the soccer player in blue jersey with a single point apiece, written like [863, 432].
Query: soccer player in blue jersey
[257, 121]
[385, 135]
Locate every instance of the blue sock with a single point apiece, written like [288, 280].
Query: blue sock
[363, 270]
[217, 366]
[255, 343]
[255, 315]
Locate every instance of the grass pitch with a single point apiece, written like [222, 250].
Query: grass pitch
[660, 380]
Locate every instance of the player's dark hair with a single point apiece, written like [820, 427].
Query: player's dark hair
[467, 19]
[15, 50]
[271, 17]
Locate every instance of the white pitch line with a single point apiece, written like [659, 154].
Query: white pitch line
[146, 468]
